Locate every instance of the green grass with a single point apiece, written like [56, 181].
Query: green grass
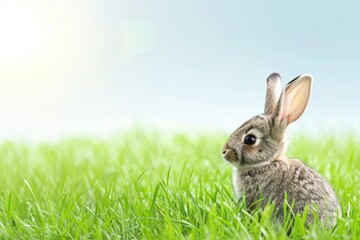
[155, 186]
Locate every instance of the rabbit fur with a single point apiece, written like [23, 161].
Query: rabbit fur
[263, 173]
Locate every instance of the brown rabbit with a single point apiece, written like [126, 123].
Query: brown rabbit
[263, 173]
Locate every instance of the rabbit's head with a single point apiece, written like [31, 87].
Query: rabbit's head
[262, 138]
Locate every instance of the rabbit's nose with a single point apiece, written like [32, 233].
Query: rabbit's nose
[225, 149]
[229, 154]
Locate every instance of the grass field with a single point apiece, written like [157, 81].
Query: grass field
[155, 186]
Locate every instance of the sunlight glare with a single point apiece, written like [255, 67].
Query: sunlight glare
[139, 36]
[25, 34]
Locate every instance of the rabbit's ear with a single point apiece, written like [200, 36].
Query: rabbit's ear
[294, 99]
[272, 92]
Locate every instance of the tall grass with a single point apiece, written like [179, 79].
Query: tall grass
[151, 185]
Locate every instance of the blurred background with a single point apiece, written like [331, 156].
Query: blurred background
[96, 67]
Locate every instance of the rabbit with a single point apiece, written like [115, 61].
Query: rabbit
[261, 169]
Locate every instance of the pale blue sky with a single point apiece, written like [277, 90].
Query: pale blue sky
[106, 65]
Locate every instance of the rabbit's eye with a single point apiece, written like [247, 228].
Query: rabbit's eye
[250, 139]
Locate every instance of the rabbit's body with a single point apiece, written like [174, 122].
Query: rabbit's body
[263, 173]
[300, 183]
